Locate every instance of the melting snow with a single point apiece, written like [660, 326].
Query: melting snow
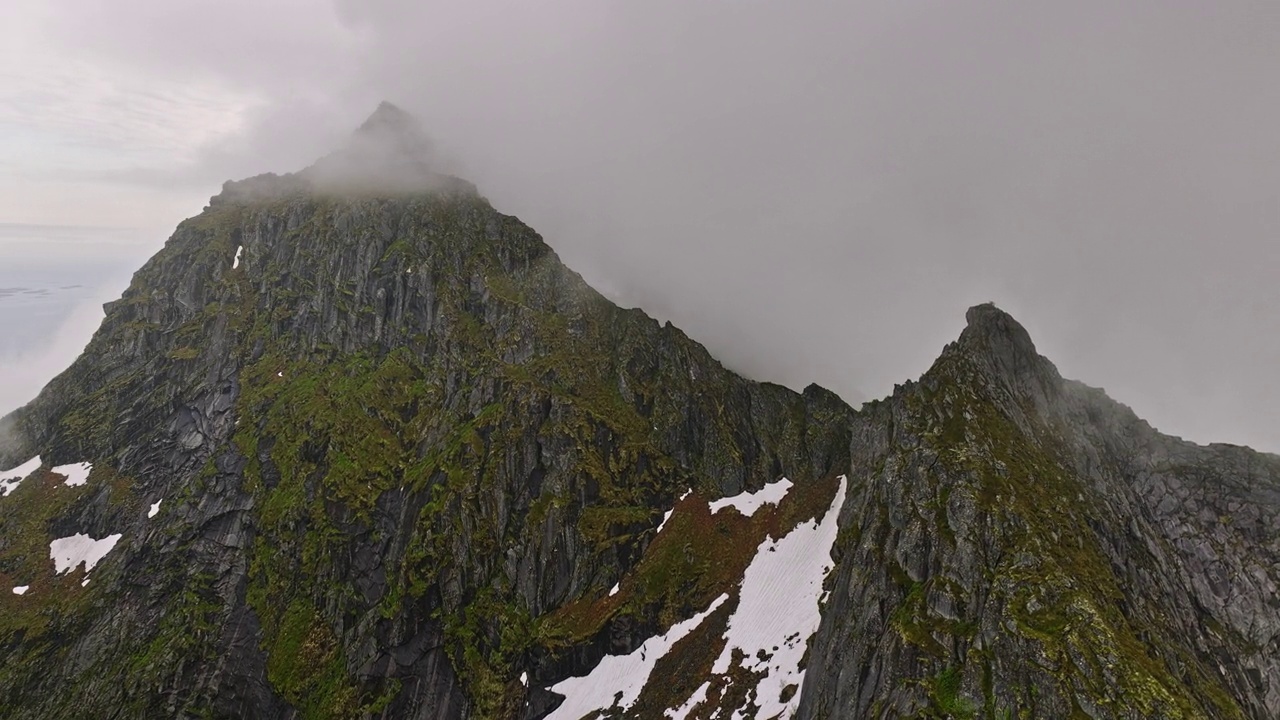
[236, 263]
[777, 613]
[667, 516]
[155, 508]
[748, 503]
[77, 474]
[9, 479]
[623, 675]
[779, 607]
[524, 679]
[69, 552]
[21, 589]
[683, 711]
[614, 590]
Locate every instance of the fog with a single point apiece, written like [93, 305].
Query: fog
[27, 371]
[815, 190]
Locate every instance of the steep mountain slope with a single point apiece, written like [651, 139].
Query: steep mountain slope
[359, 445]
[1023, 546]
[389, 432]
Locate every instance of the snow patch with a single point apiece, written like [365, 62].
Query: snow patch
[667, 516]
[748, 503]
[67, 553]
[76, 474]
[683, 711]
[779, 608]
[236, 263]
[21, 589]
[614, 590]
[621, 676]
[155, 508]
[9, 479]
[524, 679]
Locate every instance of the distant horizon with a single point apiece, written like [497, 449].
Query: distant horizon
[42, 333]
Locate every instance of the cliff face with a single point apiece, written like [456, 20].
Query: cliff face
[371, 450]
[1023, 546]
[390, 433]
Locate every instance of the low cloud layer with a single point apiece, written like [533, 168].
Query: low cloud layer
[27, 371]
[815, 190]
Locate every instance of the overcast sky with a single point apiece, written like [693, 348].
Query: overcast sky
[816, 190]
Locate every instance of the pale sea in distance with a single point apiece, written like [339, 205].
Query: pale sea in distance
[53, 282]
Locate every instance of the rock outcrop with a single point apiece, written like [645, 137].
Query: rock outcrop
[409, 465]
[1023, 546]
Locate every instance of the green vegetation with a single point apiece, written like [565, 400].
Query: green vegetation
[423, 381]
[946, 695]
[442, 413]
[1056, 585]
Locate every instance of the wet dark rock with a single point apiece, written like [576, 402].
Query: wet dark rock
[1039, 544]
[399, 435]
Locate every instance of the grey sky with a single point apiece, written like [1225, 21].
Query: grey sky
[816, 190]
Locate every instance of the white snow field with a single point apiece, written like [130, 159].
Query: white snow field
[625, 674]
[9, 479]
[76, 474]
[778, 607]
[667, 516]
[236, 262]
[155, 509]
[781, 590]
[69, 552]
[749, 503]
[21, 589]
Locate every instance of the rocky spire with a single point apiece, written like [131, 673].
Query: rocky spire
[1008, 368]
[1002, 344]
[389, 152]
[396, 132]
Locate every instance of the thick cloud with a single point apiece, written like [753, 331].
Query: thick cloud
[816, 190]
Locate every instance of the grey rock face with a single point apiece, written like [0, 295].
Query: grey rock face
[391, 438]
[400, 447]
[1022, 544]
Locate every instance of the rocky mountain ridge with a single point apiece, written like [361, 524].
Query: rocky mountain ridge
[368, 449]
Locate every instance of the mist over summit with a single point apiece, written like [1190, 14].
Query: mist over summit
[355, 443]
[390, 153]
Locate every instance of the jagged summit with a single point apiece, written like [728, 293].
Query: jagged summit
[367, 448]
[992, 329]
[385, 427]
[391, 121]
[394, 133]
[388, 154]
[1003, 348]
[388, 113]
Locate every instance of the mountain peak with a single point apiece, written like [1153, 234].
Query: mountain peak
[1002, 348]
[394, 129]
[391, 454]
[988, 325]
[388, 111]
[389, 152]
